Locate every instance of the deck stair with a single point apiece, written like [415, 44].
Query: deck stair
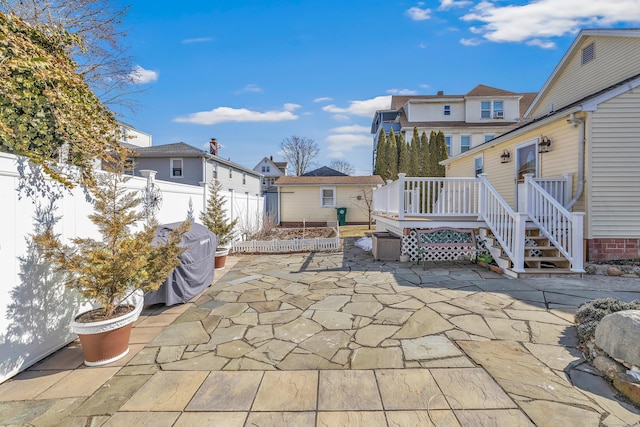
[542, 258]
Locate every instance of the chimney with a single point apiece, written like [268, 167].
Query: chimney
[271, 158]
[440, 92]
[213, 146]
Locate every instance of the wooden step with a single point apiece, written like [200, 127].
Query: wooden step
[545, 258]
[542, 272]
[541, 248]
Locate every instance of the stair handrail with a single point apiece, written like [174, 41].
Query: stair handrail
[556, 223]
[508, 226]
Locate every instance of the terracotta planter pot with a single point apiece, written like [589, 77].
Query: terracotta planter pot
[220, 258]
[108, 340]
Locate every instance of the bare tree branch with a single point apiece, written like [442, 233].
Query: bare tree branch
[299, 151]
[342, 166]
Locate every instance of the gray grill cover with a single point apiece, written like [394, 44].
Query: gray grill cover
[195, 271]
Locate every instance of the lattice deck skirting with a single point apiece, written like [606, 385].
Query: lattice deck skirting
[411, 248]
[284, 246]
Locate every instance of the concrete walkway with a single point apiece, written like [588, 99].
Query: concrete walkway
[338, 339]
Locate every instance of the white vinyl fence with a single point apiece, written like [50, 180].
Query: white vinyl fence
[35, 307]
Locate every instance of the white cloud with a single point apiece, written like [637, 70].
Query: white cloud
[291, 107]
[341, 144]
[364, 108]
[470, 42]
[401, 92]
[417, 14]
[341, 118]
[242, 115]
[251, 87]
[425, 86]
[323, 99]
[141, 76]
[352, 129]
[422, 45]
[543, 19]
[448, 4]
[197, 40]
[542, 43]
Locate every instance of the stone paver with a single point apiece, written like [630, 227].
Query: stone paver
[338, 339]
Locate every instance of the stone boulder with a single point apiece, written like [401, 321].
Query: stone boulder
[618, 334]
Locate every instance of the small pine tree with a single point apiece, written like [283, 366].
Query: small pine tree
[392, 156]
[425, 155]
[109, 269]
[214, 217]
[414, 154]
[403, 155]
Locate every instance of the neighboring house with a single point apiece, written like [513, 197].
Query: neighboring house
[185, 164]
[133, 136]
[271, 171]
[324, 171]
[466, 120]
[313, 200]
[585, 121]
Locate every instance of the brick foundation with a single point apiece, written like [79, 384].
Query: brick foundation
[610, 249]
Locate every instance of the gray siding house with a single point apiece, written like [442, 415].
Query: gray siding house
[185, 164]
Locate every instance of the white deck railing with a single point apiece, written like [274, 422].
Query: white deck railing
[561, 227]
[475, 197]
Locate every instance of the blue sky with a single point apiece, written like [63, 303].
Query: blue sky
[254, 72]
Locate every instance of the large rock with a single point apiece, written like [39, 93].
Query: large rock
[618, 334]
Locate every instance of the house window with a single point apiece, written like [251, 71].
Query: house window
[230, 173]
[588, 53]
[266, 169]
[244, 179]
[215, 171]
[478, 165]
[485, 109]
[492, 109]
[465, 143]
[447, 110]
[488, 137]
[447, 138]
[327, 197]
[176, 168]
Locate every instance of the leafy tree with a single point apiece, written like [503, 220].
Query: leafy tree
[102, 54]
[392, 156]
[299, 151]
[108, 269]
[414, 154]
[45, 104]
[214, 216]
[440, 153]
[381, 167]
[343, 166]
[403, 155]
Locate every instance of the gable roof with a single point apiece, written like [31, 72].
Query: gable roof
[555, 74]
[329, 180]
[324, 171]
[482, 90]
[180, 149]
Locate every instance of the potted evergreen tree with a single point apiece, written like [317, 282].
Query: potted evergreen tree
[113, 271]
[214, 219]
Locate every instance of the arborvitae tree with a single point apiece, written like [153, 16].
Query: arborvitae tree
[214, 217]
[392, 155]
[381, 153]
[425, 155]
[403, 155]
[414, 154]
[440, 153]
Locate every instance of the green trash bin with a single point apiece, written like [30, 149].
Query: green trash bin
[342, 216]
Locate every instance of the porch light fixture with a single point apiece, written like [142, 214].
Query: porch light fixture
[505, 157]
[544, 145]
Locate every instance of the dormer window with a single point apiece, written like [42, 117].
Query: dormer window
[492, 109]
[447, 110]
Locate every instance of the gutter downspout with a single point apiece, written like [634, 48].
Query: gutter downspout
[581, 148]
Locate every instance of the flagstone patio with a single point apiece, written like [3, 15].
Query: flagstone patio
[337, 339]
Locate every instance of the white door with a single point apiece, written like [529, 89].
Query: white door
[526, 162]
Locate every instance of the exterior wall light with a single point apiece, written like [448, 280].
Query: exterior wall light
[505, 157]
[544, 145]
